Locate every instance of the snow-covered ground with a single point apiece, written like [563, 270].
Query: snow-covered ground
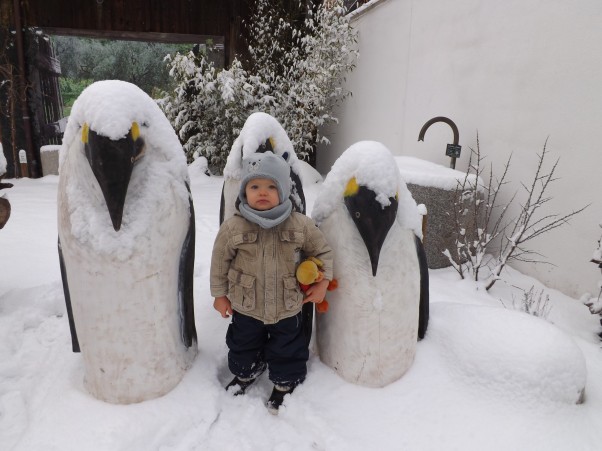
[484, 378]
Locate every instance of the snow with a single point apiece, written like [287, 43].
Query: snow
[2, 161]
[365, 7]
[483, 378]
[425, 173]
[373, 166]
[514, 354]
[50, 148]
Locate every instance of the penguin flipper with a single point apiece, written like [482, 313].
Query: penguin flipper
[222, 205]
[423, 316]
[74, 340]
[186, 282]
[307, 319]
[297, 189]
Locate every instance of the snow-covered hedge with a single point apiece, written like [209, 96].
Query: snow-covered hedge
[294, 73]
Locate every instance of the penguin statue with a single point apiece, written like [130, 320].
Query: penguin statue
[260, 133]
[126, 244]
[369, 334]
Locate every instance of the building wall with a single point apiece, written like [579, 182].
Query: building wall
[518, 72]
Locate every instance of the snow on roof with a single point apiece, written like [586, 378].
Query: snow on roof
[373, 166]
[257, 129]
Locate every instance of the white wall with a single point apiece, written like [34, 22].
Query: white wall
[518, 72]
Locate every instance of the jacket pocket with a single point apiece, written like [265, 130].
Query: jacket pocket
[293, 297]
[246, 244]
[241, 290]
[291, 242]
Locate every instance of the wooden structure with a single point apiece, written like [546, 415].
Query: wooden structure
[44, 78]
[146, 20]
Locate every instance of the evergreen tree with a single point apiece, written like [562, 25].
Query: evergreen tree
[296, 64]
[89, 60]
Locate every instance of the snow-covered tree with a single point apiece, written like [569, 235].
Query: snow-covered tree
[294, 71]
[99, 59]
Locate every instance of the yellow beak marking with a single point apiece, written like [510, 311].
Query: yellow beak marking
[135, 131]
[85, 131]
[352, 188]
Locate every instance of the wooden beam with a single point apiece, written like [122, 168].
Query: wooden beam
[170, 38]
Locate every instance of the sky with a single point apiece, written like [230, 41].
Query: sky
[486, 376]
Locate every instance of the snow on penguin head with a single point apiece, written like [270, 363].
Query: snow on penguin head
[374, 167]
[110, 107]
[260, 133]
[259, 128]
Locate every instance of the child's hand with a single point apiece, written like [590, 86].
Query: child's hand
[222, 304]
[317, 292]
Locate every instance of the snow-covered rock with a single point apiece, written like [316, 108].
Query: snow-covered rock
[509, 353]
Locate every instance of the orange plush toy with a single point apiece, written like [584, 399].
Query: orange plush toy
[309, 272]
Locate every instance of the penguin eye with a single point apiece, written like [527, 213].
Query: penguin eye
[357, 214]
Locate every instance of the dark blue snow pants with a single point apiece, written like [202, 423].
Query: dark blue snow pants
[281, 346]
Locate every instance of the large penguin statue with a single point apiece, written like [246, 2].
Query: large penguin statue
[260, 133]
[369, 334]
[126, 244]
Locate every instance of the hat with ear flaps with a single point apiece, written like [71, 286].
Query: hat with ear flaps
[269, 166]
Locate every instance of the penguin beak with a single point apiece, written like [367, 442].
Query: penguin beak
[373, 221]
[112, 162]
[268, 145]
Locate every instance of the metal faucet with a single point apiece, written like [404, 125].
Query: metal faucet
[452, 150]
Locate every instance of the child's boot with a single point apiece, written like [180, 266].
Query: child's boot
[241, 384]
[277, 397]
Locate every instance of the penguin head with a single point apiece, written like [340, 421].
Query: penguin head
[112, 162]
[115, 135]
[372, 219]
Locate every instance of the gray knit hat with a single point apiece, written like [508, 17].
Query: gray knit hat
[269, 166]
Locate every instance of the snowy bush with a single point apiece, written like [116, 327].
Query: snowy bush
[294, 72]
[208, 107]
[533, 302]
[473, 213]
[490, 219]
[595, 303]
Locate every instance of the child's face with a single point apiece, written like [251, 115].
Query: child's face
[262, 194]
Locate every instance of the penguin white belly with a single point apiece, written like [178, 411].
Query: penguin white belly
[231, 190]
[369, 334]
[126, 310]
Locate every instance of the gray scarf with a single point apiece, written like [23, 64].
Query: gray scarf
[266, 218]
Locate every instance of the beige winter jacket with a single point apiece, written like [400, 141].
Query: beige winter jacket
[255, 267]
